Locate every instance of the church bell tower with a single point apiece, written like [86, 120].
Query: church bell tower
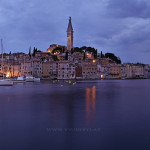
[69, 36]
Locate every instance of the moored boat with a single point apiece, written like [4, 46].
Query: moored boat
[19, 80]
[32, 79]
[6, 83]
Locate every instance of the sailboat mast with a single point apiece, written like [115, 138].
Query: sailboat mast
[2, 57]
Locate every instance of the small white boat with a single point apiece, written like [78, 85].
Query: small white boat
[29, 79]
[19, 80]
[37, 79]
[32, 79]
[6, 83]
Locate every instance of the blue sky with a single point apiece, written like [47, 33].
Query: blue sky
[118, 26]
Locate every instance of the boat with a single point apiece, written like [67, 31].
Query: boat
[4, 82]
[37, 79]
[32, 79]
[29, 79]
[19, 80]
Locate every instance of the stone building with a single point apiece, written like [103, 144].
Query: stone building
[26, 68]
[89, 70]
[114, 71]
[69, 36]
[46, 69]
[37, 67]
[66, 70]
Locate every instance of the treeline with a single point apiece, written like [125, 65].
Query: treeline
[83, 49]
[111, 56]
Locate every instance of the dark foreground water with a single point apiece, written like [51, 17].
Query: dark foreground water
[98, 115]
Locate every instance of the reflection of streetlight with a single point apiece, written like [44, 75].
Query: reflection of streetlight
[93, 97]
[90, 101]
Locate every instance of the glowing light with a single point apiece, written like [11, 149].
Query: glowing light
[8, 75]
[102, 76]
[94, 61]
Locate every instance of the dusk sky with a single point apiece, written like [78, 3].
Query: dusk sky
[121, 27]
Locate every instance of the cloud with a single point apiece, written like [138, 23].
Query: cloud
[129, 8]
[117, 26]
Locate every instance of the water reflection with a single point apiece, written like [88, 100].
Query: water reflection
[90, 102]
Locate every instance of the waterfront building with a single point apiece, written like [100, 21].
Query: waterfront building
[37, 67]
[66, 70]
[15, 70]
[128, 70]
[123, 71]
[146, 71]
[54, 70]
[114, 71]
[26, 68]
[89, 70]
[78, 71]
[138, 70]
[46, 70]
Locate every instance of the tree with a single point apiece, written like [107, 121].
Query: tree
[29, 51]
[113, 57]
[102, 55]
[77, 49]
[54, 57]
[83, 48]
[66, 57]
[34, 51]
[95, 54]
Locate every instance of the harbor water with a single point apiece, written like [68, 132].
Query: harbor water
[91, 115]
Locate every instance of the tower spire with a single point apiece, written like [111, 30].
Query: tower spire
[70, 29]
[69, 35]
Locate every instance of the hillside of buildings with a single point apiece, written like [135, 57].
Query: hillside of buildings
[79, 63]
